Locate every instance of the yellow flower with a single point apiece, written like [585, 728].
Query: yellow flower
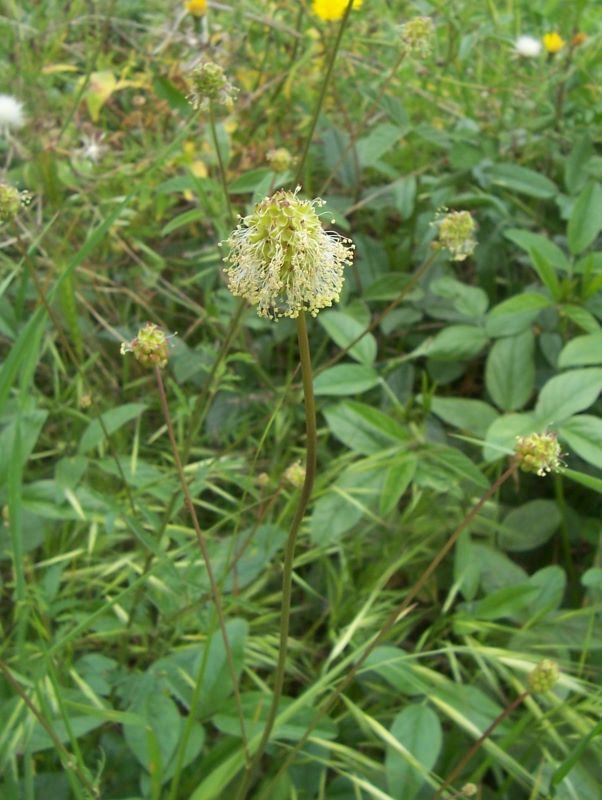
[196, 7]
[332, 10]
[553, 42]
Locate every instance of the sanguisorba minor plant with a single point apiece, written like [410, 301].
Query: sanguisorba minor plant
[282, 261]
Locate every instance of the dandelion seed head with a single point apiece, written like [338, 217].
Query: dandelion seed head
[11, 113]
[527, 46]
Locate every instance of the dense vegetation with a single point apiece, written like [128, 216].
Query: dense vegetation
[445, 615]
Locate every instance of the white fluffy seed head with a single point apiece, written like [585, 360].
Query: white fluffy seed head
[11, 112]
[527, 46]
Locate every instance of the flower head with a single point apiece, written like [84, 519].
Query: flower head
[11, 200]
[196, 7]
[282, 260]
[455, 232]
[417, 36]
[332, 10]
[295, 475]
[11, 113]
[211, 85]
[539, 453]
[527, 46]
[578, 38]
[280, 160]
[543, 677]
[150, 347]
[553, 42]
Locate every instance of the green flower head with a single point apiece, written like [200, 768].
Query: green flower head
[283, 261]
[150, 347]
[11, 201]
[210, 84]
[417, 36]
[539, 453]
[543, 677]
[455, 232]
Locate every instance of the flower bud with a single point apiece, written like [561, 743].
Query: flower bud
[11, 201]
[543, 677]
[282, 260]
[539, 453]
[196, 7]
[210, 85]
[295, 475]
[280, 160]
[150, 347]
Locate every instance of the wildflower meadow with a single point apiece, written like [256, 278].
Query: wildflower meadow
[300, 394]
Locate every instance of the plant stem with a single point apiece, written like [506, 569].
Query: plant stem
[220, 161]
[68, 761]
[404, 605]
[289, 553]
[215, 593]
[326, 81]
[457, 770]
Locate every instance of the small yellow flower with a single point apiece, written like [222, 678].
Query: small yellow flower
[332, 10]
[196, 7]
[553, 42]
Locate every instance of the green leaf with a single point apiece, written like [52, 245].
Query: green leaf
[344, 329]
[585, 221]
[249, 181]
[469, 301]
[576, 165]
[467, 415]
[154, 742]
[396, 667]
[345, 379]
[585, 480]
[500, 439]
[113, 420]
[455, 343]
[583, 434]
[510, 371]
[535, 243]
[515, 314]
[529, 525]
[582, 351]
[583, 318]
[398, 478]
[363, 428]
[567, 394]
[378, 142]
[522, 180]
[79, 726]
[418, 730]
[507, 602]
[186, 218]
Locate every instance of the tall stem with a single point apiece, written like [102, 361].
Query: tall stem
[326, 81]
[220, 161]
[457, 770]
[215, 593]
[289, 553]
[404, 605]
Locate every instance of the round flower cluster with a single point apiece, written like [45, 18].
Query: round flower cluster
[455, 232]
[150, 347]
[417, 36]
[280, 160]
[295, 475]
[211, 85]
[282, 260]
[11, 200]
[543, 677]
[539, 453]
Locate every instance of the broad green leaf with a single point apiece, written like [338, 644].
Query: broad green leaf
[467, 300]
[585, 221]
[378, 142]
[522, 180]
[567, 394]
[500, 439]
[515, 314]
[583, 318]
[79, 726]
[535, 242]
[577, 163]
[510, 371]
[113, 420]
[249, 181]
[467, 415]
[154, 743]
[550, 583]
[345, 379]
[529, 526]
[456, 343]
[395, 666]
[496, 570]
[418, 730]
[344, 329]
[363, 428]
[398, 478]
[582, 351]
[181, 220]
[583, 434]
[506, 602]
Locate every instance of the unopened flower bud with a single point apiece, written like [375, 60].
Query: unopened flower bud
[543, 677]
[85, 401]
[417, 36]
[211, 85]
[263, 480]
[469, 790]
[539, 453]
[11, 201]
[455, 232]
[295, 475]
[282, 260]
[280, 160]
[150, 347]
